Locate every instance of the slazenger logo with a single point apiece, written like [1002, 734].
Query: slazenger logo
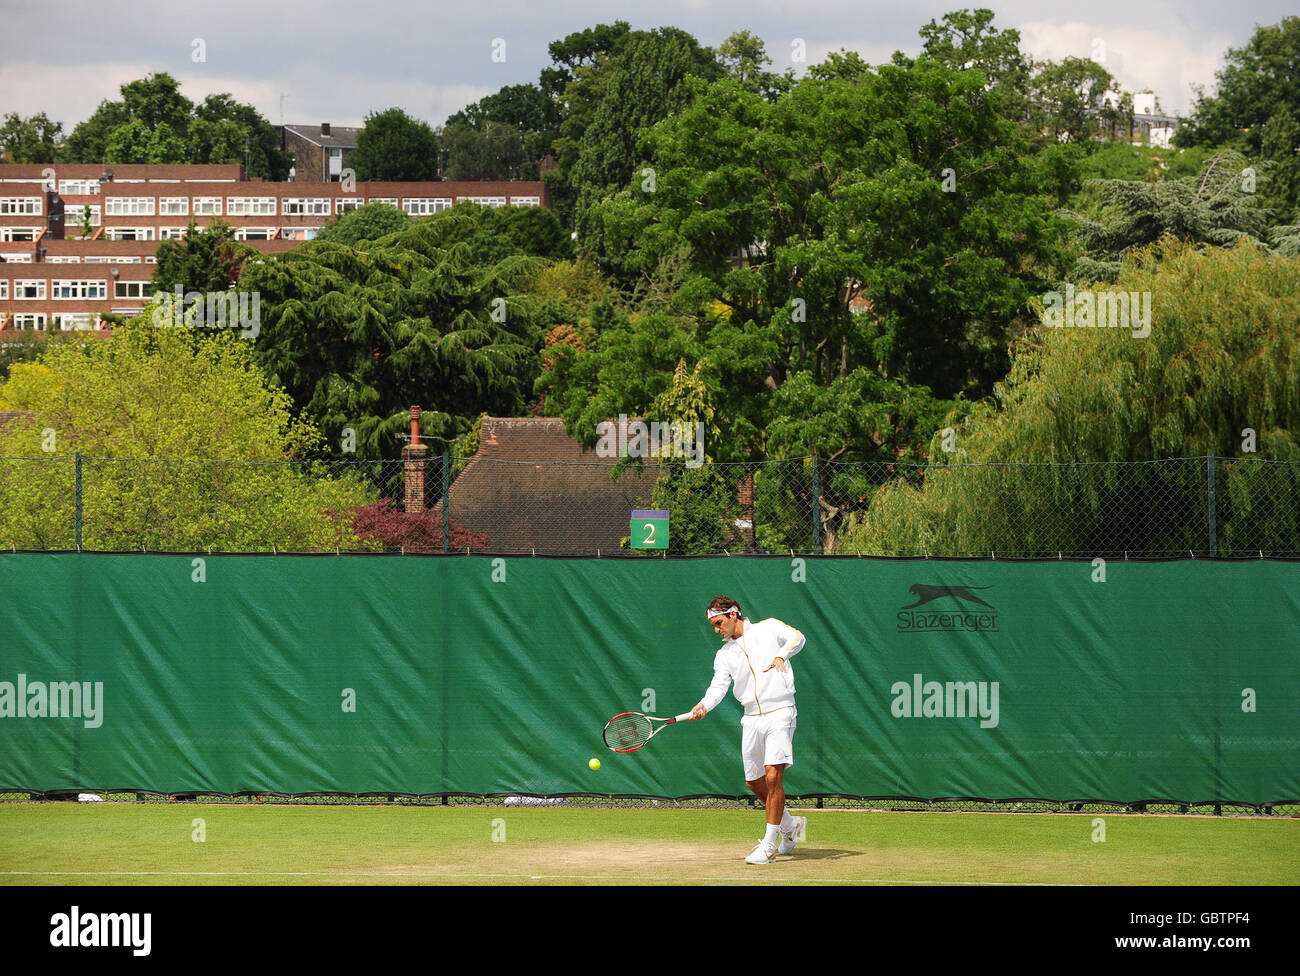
[952, 615]
[53, 699]
[75, 930]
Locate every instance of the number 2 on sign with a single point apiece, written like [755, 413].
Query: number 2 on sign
[650, 533]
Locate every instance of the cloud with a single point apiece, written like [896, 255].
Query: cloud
[1167, 62]
[70, 95]
[338, 60]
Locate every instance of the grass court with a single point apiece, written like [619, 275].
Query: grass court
[281, 844]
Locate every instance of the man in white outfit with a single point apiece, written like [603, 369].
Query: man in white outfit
[755, 661]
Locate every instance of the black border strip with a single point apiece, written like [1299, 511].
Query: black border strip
[393, 796]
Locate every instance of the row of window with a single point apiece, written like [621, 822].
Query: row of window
[78, 188]
[84, 290]
[78, 259]
[67, 321]
[26, 258]
[88, 213]
[144, 233]
[243, 206]
[20, 206]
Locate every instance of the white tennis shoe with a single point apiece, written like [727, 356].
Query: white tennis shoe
[762, 854]
[788, 841]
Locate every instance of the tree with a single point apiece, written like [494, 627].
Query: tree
[526, 109]
[395, 147]
[207, 260]
[1151, 164]
[149, 125]
[1257, 109]
[27, 347]
[84, 220]
[611, 82]
[88, 141]
[382, 523]
[1253, 87]
[890, 221]
[218, 141]
[743, 55]
[32, 140]
[1221, 355]
[493, 234]
[357, 334]
[1067, 103]
[493, 152]
[704, 495]
[489, 234]
[1211, 207]
[565, 85]
[968, 40]
[213, 442]
[156, 100]
[155, 123]
[581, 49]
[643, 83]
[226, 131]
[369, 222]
[134, 142]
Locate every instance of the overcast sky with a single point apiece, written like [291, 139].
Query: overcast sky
[328, 61]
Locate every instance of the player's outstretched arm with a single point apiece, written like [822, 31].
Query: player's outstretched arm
[717, 690]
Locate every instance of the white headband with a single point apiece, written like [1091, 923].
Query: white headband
[722, 613]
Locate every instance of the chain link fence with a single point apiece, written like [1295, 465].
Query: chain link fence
[713, 801]
[1202, 506]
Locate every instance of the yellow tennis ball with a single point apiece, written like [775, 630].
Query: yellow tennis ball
[594, 764]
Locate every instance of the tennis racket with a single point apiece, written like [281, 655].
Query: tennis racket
[631, 730]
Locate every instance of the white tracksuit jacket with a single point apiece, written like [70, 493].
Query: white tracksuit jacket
[740, 663]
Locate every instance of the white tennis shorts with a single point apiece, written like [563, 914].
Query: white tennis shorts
[766, 740]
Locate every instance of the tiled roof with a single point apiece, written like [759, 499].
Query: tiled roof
[340, 136]
[532, 487]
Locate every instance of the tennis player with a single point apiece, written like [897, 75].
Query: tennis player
[755, 661]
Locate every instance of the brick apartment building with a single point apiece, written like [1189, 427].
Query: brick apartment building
[77, 241]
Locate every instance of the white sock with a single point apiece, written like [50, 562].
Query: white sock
[787, 821]
[773, 835]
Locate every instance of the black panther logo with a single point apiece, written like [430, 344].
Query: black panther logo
[926, 594]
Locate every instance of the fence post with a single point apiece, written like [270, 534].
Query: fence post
[78, 516]
[446, 508]
[816, 515]
[1214, 542]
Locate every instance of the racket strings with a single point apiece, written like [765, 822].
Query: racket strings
[628, 731]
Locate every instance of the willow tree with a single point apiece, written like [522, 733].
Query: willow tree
[1218, 374]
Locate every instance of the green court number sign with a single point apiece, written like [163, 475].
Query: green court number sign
[650, 529]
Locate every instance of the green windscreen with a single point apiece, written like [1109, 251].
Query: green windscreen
[1055, 680]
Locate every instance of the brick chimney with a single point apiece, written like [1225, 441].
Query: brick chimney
[414, 456]
[745, 499]
[324, 128]
[745, 490]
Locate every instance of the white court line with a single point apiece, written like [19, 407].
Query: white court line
[657, 879]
